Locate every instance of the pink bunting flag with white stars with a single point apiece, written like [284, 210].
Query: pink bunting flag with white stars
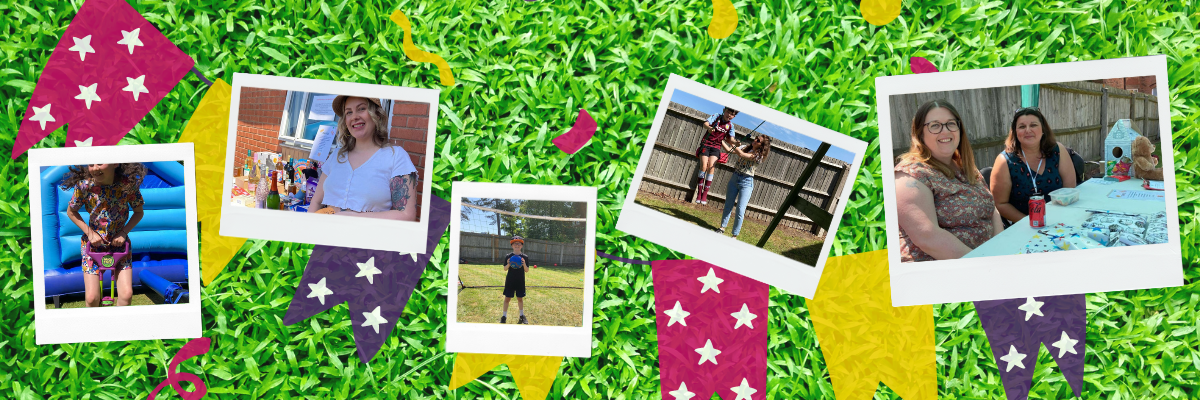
[109, 69]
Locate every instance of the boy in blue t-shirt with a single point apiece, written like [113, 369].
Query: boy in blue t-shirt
[517, 264]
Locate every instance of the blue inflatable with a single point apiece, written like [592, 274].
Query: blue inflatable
[159, 241]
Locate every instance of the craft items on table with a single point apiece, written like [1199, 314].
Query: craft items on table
[1039, 244]
[1137, 195]
[1065, 196]
[1153, 185]
[1156, 228]
[1066, 237]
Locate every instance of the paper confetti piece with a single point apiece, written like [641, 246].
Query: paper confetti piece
[712, 330]
[919, 65]
[418, 55]
[867, 341]
[578, 136]
[1017, 327]
[879, 12]
[376, 283]
[533, 375]
[724, 20]
[193, 348]
[208, 128]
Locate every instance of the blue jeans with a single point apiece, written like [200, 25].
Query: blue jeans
[740, 187]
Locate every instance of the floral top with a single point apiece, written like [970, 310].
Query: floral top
[963, 209]
[1022, 186]
[745, 166]
[108, 210]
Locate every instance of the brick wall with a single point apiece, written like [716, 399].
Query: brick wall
[260, 112]
[410, 129]
[1143, 84]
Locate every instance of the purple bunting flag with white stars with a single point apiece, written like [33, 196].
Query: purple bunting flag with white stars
[1016, 328]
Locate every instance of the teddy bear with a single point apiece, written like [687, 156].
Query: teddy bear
[1144, 163]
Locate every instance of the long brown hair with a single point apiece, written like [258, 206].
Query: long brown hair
[763, 150]
[128, 176]
[918, 152]
[380, 136]
[1048, 143]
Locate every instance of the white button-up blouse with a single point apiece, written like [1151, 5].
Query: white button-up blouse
[367, 188]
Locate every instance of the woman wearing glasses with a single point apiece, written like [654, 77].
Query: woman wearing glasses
[1032, 162]
[944, 209]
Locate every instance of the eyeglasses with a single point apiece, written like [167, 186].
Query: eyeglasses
[936, 127]
[1019, 109]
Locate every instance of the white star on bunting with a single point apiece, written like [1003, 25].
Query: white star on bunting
[1013, 358]
[744, 391]
[42, 115]
[413, 255]
[708, 353]
[368, 270]
[1065, 345]
[319, 290]
[136, 85]
[131, 39]
[744, 317]
[83, 46]
[710, 281]
[374, 319]
[677, 315]
[88, 94]
[1032, 307]
[682, 393]
[84, 143]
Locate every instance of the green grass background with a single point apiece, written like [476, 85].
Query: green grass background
[523, 70]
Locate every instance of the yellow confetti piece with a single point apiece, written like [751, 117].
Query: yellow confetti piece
[534, 375]
[419, 55]
[864, 339]
[879, 12]
[724, 21]
[209, 130]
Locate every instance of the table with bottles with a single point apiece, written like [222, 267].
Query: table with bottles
[269, 181]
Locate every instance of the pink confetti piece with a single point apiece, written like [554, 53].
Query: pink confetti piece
[578, 136]
[193, 348]
[919, 65]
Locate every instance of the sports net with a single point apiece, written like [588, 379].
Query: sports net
[553, 233]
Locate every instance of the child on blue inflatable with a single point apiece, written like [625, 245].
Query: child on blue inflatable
[517, 264]
[109, 193]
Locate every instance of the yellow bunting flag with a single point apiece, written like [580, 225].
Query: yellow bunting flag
[867, 341]
[534, 375]
[418, 55]
[879, 12]
[724, 20]
[209, 130]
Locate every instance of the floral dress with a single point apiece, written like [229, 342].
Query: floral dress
[963, 209]
[108, 208]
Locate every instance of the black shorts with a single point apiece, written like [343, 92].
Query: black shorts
[514, 283]
[709, 151]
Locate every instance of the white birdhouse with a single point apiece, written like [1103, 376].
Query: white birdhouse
[1119, 143]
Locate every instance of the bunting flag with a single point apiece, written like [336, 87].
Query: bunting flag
[208, 128]
[1017, 327]
[376, 283]
[712, 331]
[109, 69]
[864, 339]
[533, 375]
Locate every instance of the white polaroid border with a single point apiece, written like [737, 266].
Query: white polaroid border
[1029, 275]
[528, 340]
[743, 258]
[331, 230]
[106, 324]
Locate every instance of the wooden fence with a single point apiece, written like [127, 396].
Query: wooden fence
[673, 166]
[487, 248]
[1079, 113]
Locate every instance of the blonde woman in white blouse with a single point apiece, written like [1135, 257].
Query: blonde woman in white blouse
[364, 175]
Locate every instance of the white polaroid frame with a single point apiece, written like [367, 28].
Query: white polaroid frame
[106, 324]
[331, 230]
[529, 340]
[743, 258]
[1029, 275]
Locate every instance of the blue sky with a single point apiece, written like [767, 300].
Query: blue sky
[749, 121]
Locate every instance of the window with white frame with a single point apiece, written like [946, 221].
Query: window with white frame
[305, 113]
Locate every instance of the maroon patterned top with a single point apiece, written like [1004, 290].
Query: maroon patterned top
[963, 209]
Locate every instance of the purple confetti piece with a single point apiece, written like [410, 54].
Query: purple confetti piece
[376, 283]
[1017, 327]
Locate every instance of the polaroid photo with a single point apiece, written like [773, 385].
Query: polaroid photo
[1029, 181]
[331, 163]
[730, 182]
[123, 210]
[521, 262]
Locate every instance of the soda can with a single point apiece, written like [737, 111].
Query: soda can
[1037, 211]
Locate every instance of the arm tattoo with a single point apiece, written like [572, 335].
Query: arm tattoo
[400, 190]
[912, 183]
